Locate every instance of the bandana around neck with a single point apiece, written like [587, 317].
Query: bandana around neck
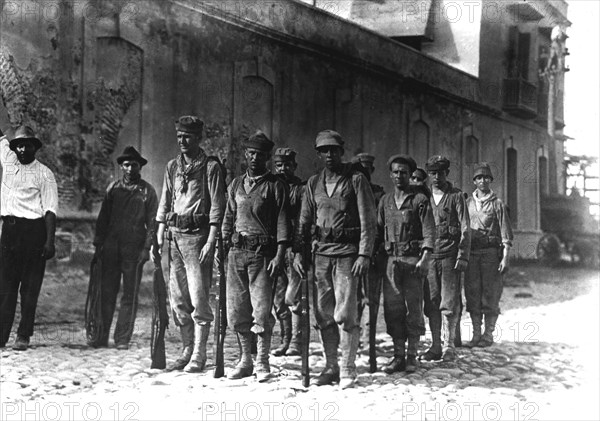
[184, 171]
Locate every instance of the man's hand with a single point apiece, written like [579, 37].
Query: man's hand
[49, 251]
[503, 267]
[207, 253]
[144, 255]
[360, 268]
[299, 265]
[422, 267]
[461, 265]
[275, 265]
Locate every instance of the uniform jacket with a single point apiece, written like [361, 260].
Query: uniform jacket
[197, 190]
[262, 211]
[127, 214]
[351, 206]
[408, 230]
[490, 225]
[452, 225]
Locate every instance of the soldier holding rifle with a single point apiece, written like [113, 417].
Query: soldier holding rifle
[192, 206]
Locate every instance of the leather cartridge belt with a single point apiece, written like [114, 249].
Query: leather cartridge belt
[485, 241]
[252, 242]
[190, 221]
[338, 235]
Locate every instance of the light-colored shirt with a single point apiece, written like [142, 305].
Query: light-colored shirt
[28, 191]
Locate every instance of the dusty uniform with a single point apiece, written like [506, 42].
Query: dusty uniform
[256, 221]
[405, 232]
[125, 226]
[193, 198]
[345, 229]
[490, 231]
[452, 243]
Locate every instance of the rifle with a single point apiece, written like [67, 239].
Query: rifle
[160, 316]
[374, 298]
[305, 326]
[94, 326]
[220, 310]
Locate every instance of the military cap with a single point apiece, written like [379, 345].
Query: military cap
[364, 157]
[284, 155]
[259, 141]
[24, 133]
[484, 169]
[403, 159]
[437, 162]
[189, 124]
[131, 154]
[329, 138]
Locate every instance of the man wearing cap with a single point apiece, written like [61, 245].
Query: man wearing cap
[192, 205]
[406, 227]
[419, 179]
[29, 203]
[340, 203]
[286, 296]
[125, 230]
[257, 227]
[450, 258]
[491, 240]
[368, 162]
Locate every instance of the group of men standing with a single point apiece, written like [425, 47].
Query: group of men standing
[415, 240]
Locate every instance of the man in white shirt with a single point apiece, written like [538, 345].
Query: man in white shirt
[28, 205]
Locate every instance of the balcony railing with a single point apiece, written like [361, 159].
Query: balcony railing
[520, 98]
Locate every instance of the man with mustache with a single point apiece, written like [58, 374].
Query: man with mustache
[29, 203]
[125, 230]
[339, 202]
[192, 206]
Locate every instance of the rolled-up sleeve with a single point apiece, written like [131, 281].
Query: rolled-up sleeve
[366, 213]
[49, 192]
[505, 226]
[217, 191]
[164, 205]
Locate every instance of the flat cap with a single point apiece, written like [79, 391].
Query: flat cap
[284, 155]
[189, 124]
[484, 169]
[259, 141]
[364, 157]
[437, 162]
[403, 159]
[329, 138]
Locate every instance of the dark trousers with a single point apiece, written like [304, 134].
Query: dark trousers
[119, 259]
[21, 271]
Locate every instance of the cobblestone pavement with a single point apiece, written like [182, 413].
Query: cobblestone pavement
[543, 366]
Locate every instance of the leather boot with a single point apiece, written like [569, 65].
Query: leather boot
[198, 359]
[349, 349]
[476, 322]
[244, 367]
[449, 329]
[398, 363]
[435, 325]
[187, 339]
[331, 374]
[487, 339]
[296, 342]
[263, 368]
[286, 335]
[411, 361]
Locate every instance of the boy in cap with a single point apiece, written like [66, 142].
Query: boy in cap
[287, 287]
[406, 227]
[192, 206]
[257, 227]
[340, 203]
[491, 240]
[125, 229]
[450, 257]
[29, 202]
